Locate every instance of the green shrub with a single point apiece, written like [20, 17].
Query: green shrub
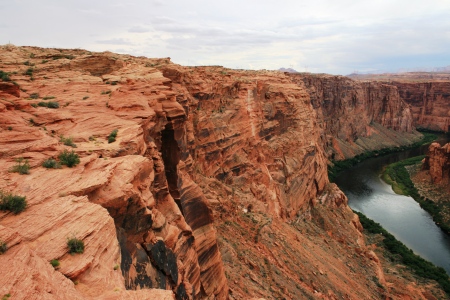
[49, 97]
[34, 96]
[85, 97]
[3, 247]
[50, 104]
[69, 159]
[4, 76]
[67, 141]
[29, 72]
[75, 245]
[112, 136]
[13, 203]
[51, 164]
[22, 166]
[55, 263]
[420, 266]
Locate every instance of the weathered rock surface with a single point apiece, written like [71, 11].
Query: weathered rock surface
[437, 162]
[215, 186]
[430, 103]
[358, 116]
[427, 93]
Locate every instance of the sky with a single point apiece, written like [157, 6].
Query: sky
[320, 36]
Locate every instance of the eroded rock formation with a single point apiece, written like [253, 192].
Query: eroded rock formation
[437, 162]
[214, 187]
[358, 116]
[430, 103]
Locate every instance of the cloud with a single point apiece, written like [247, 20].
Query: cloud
[115, 41]
[138, 29]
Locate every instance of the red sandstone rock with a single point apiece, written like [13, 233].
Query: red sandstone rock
[197, 151]
[437, 162]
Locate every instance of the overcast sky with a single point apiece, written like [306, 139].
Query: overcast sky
[329, 36]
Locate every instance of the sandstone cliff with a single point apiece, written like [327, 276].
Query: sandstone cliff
[214, 187]
[427, 93]
[358, 116]
[430, 103]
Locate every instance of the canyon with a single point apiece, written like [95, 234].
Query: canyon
[215, 186]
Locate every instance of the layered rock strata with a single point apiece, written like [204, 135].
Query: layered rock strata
[430, 103]
[437, 162]
[215, 185]
[358, 116]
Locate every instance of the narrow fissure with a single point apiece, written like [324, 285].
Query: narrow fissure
[171, 156]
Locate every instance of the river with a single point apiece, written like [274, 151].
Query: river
[400, 215]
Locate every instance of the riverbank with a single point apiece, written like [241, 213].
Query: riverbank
[398, 176]
[338, 166]
[397, 253]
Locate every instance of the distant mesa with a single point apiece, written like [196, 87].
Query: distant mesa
[288, 70]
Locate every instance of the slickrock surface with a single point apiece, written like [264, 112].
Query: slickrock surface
[215, 186]
[358, 116]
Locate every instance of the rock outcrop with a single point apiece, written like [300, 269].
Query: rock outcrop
[430, 103]
[214, 185]
[437, 162]
[358, 116]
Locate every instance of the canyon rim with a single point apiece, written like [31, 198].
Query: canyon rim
[214, 185]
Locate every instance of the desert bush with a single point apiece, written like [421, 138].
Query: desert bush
[3, 247]
[75, 245]
[55, 263]
[69, 159]
[112, 136]
[4, 76]
[13, 203]
[22, 166]
[50, 104]
[68, 141]
[50, 163]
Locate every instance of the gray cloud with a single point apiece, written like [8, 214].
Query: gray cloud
[320, 36]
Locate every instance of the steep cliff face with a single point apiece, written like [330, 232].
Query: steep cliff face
[430, 103]
[154, 227]
[437, 162]
[214, 187]
[358, 116]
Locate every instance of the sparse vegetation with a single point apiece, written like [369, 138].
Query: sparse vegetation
[4, 76]
[68, 141]
[69, 159]
[13, 203]
[341, 165]
[49, 97]
[406, 256]
[75, 245]
[22, 166]
[116, 267]
[3, 247]
[6, 296]
[106, 92]
[112, 136]
[34, 95]
[50, 104]
[396, 175]
[55, 263]
[85, 97]
[29, 72]
[10, 128]
[51, 163]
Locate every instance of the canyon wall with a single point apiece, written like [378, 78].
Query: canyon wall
[214, 187]
[430, 103]
[358, 116]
